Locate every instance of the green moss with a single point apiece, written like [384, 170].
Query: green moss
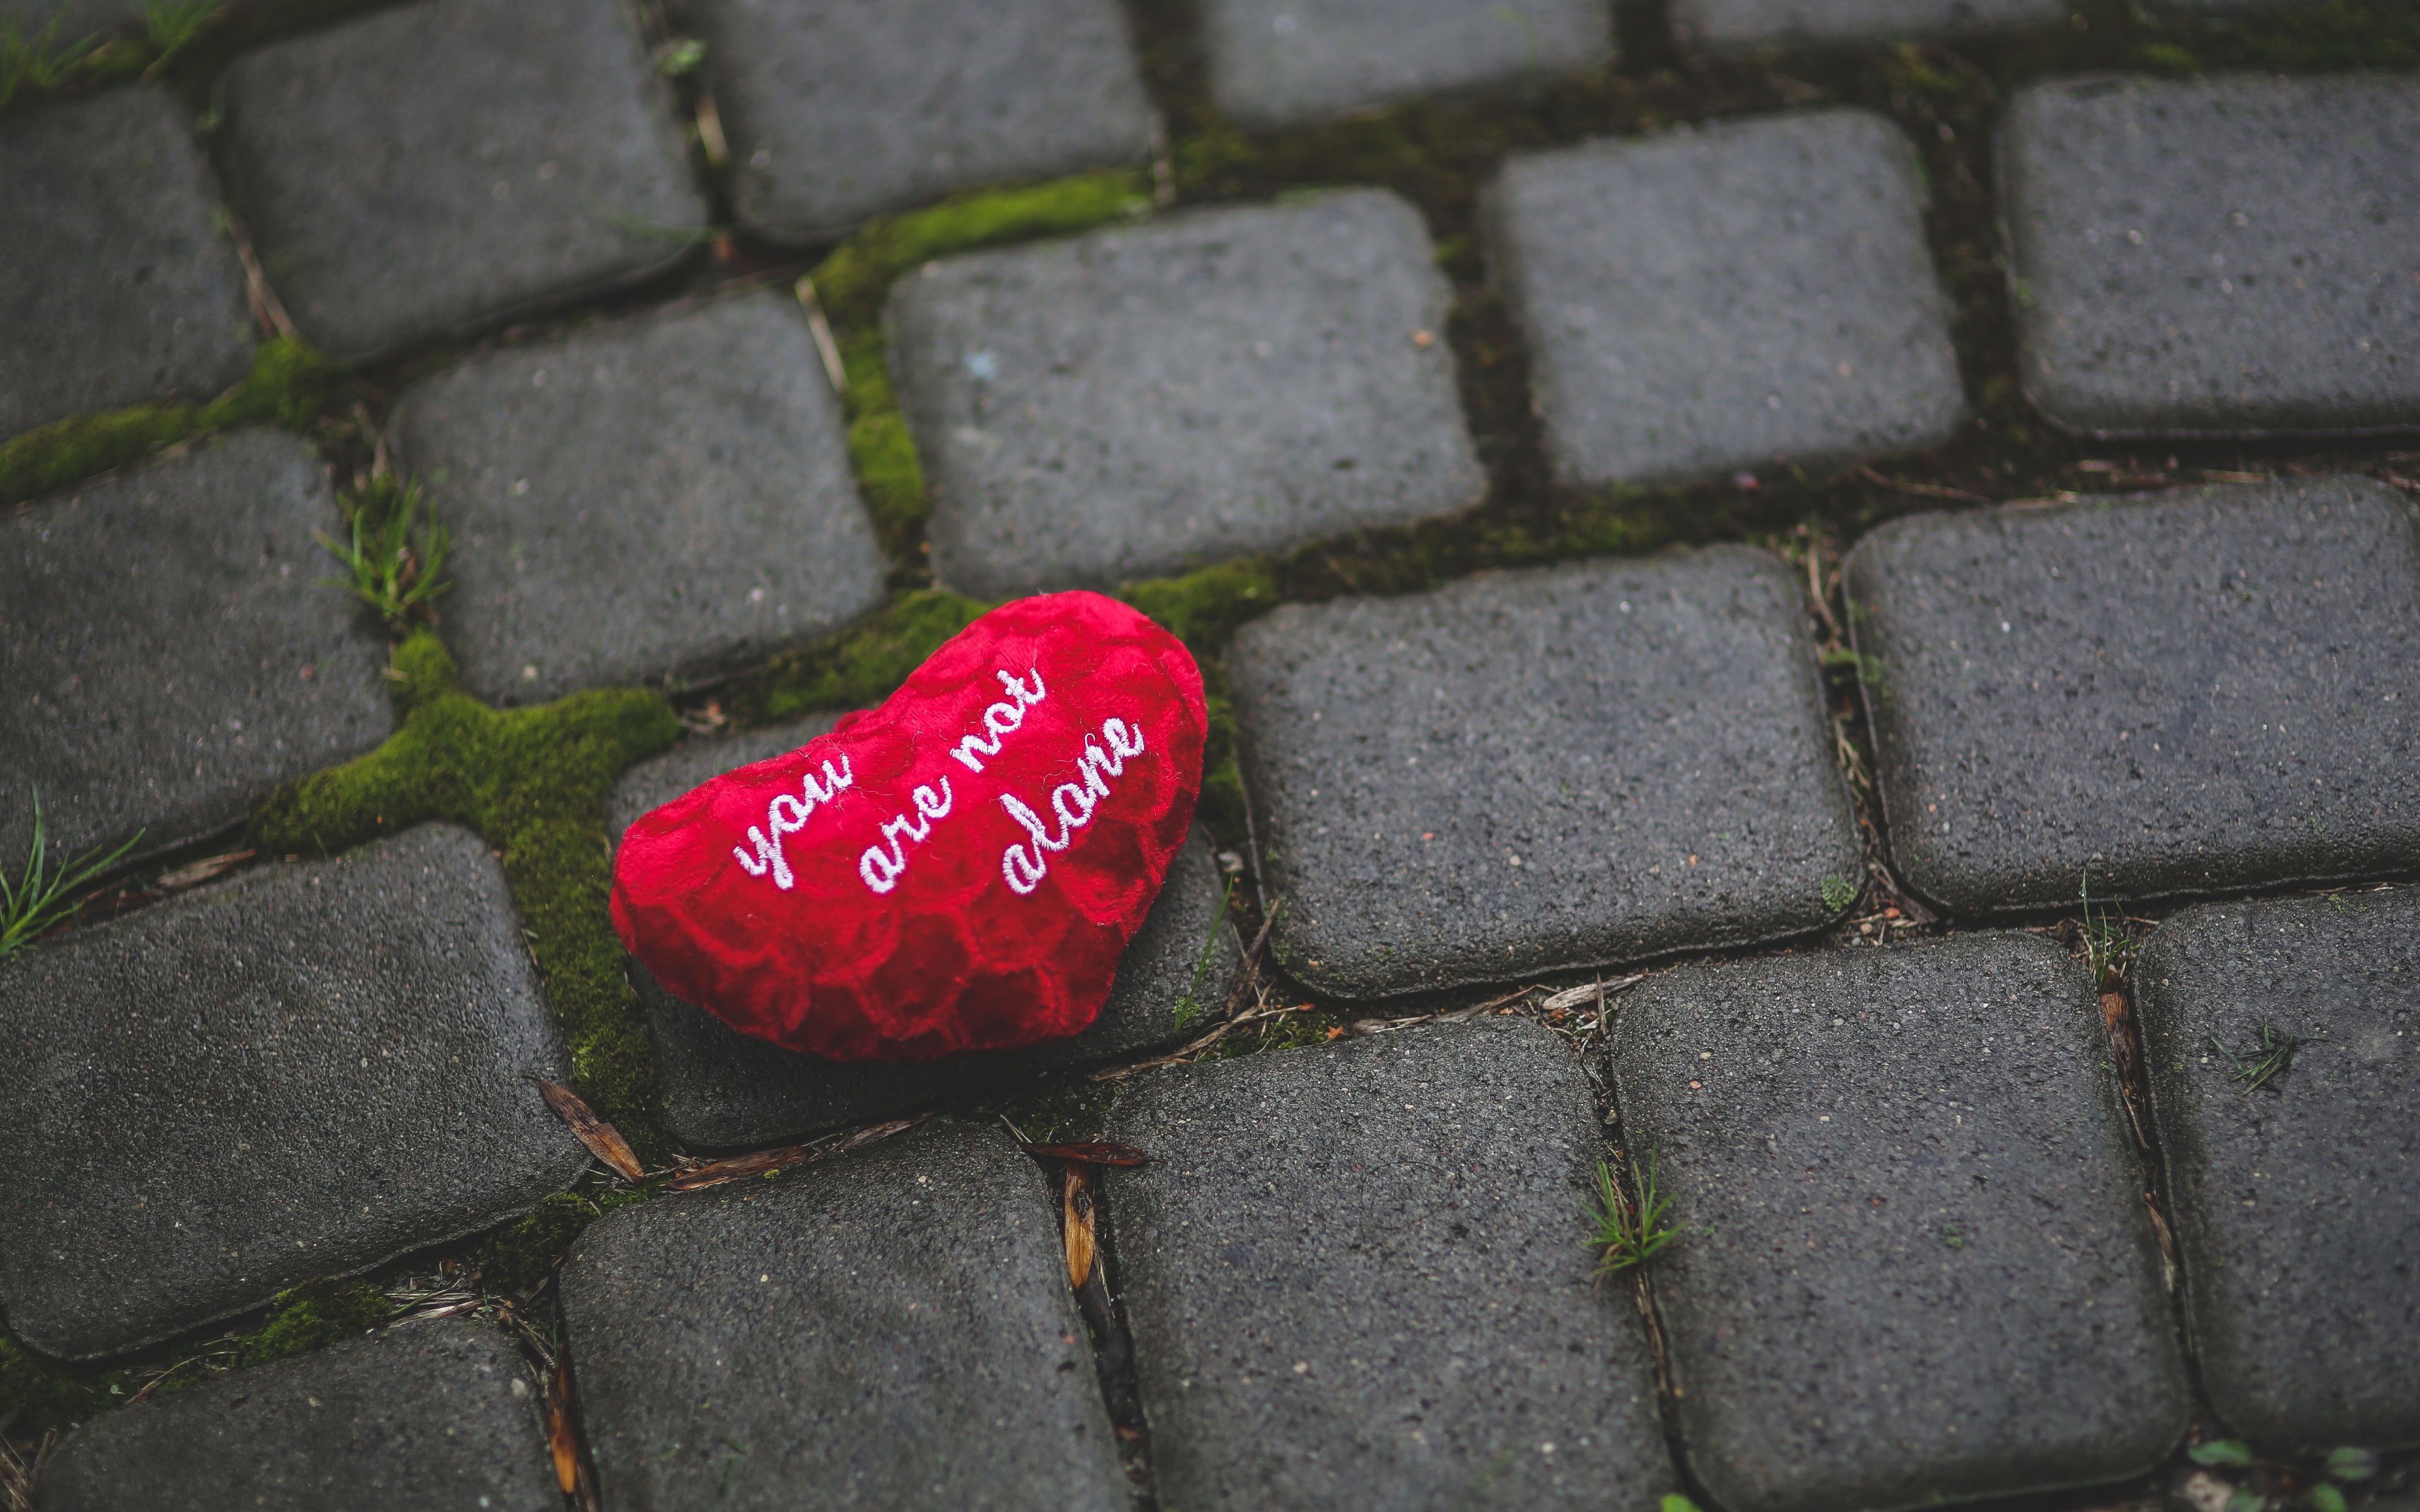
[288, 385]
[889, 477]
[38, 1395]
[859, 669]
[517, 1256]
[534, 783]
[314, 1315]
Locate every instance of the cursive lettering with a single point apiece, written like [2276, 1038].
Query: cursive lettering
[1071, 804]
[788, 815]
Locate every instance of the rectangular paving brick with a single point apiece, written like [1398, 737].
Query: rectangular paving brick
[654, 499]
[2229, 256]
[1915, 1263]
[525, 159]
[838, 110]
[1356, 1279]
[890, 1328]
[1541, 771]
[424, 1417]
[1750, 295]
[301, 1073]
[114, 287]
[1145, 400]
[2192, 692]
[170, 653]
[1282, 62]
[2296, 1204]
[1736, 25]
[724, 1088]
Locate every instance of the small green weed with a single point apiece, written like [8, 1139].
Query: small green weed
[171, 26]
[1623, 1234]
[1838, 893]
[40, 61]
[2267, 1484]
[1189, 1007]
[2268, 1057]
[394, 569]
[2345, 905]
[1868, 670]
[42, 897]
[2107, 946]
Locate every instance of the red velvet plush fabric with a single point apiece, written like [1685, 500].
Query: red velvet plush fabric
[955, 871]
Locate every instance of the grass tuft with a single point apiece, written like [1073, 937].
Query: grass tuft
[44, 895]
[393, 567]
[1624, 1234]
[2269, 1055]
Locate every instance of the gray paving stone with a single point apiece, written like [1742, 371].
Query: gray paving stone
[1281, 62]
[170, 651]
[1750, 295]
[1149, 399]
[1541, 771]
[2229, 255]
[115, 288]
[1735, 25]
[1915, 1265]
[2191, 693]
[655, 500]
[428, 1415]
[890, 1328]
[75, 19]
[2295, 1208]
[527, 158]
[838, 110]
[1355, 1279]
[722, 1089]
[303, 1071]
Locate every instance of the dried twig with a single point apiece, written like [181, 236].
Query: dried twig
[1596, 990]
[1928, 490]
[697, 1176]
[1092, 1155]
[826, 347]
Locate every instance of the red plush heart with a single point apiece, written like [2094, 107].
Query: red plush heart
[957, 870]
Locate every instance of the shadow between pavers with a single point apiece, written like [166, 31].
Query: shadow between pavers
[1356, 1279]
[1915, 1263]
[423, 1417]
[303, 1071]
[891, 1327]
[723, 1087]
[2296, 1204]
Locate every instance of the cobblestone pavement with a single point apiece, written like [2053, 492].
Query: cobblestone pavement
[1805, 895]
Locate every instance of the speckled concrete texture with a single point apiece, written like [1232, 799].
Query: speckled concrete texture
[1915, 1263]
[1754, 294]
[838, 110]
[1151, 399]
[1541, 771]
[1355, 1280]
[299, 1072]
[2296, 1207]
[114, 287]
[892, 1328]
[725, 1089]
[653, 501]
[2194, 693]
[527, 157]
[2228, 256]
[424, 1417]
[1284, 62]
[169, 653]
[1739, 25]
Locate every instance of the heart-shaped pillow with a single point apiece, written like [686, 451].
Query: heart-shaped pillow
[957, 870]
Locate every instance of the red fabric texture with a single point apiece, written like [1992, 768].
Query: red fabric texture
[923, 917]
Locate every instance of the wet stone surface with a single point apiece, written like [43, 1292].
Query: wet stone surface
[657, 499]
[527, 158]
[169, 652]
[1541, 771]
[890, 1328]
[2192, 693]
[114, 287]
[1283, 62]
[1914, 1261]
[427, 1415]
[837, 110]
[1145, 400]
[1751, 294]
[2294, 1203]
[1354, 1278]
[299, 1072]
[1735, 25]
[2229, 255]
[725, 1089]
